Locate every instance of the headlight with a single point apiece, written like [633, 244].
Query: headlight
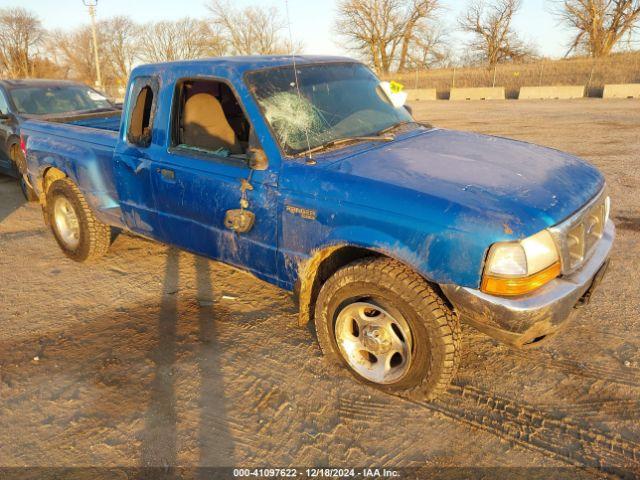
[516, 268]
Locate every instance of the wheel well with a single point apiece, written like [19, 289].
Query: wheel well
[13, 143]
[327, 262]
[318, 270]
[13, 147]
[50, 175]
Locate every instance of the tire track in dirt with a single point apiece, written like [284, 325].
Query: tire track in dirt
[543, 430]
[628, 222]
[546, 431]
[623, 375]
[603, 410]
[23, 234]
[618, 335]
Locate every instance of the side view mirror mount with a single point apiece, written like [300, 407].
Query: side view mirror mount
[4, 116]
[257, 159]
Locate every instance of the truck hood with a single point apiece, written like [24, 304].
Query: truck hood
[528, 184]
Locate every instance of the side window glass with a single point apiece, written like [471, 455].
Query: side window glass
[142, 110]
[4, 108]
[209, 119]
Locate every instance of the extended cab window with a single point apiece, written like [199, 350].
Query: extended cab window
[142, 111]
[209, 119]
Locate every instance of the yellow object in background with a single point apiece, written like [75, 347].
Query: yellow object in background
[396, 87]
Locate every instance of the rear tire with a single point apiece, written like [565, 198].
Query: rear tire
[79, 234]
[392, 316]
[27, 191]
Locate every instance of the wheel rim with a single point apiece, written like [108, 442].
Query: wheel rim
[375, 344]
[66, 221]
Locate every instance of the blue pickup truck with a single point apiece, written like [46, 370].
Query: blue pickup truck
[305, 173]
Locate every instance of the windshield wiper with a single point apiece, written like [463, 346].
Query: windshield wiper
[395, 126]
[99, 110]
[340, 141]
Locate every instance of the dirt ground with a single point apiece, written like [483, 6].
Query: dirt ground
[155, 357]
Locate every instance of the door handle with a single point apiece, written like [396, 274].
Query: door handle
[167, 174]
[135, 165]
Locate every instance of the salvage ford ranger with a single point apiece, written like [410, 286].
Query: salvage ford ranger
[305, 173]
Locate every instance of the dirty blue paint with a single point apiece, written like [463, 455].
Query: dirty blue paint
[434, 199]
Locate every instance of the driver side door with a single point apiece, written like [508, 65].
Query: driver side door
[198, 179]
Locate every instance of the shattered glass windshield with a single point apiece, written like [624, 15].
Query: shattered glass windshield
[336, 100]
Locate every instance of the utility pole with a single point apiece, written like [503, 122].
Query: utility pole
[91, 5]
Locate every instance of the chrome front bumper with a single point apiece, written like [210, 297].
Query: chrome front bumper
[524, 320]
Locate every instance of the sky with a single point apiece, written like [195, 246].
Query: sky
[311, 20]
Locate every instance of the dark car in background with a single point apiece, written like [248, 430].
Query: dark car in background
[39, 99]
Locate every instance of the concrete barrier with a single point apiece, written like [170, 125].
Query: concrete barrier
[417, 94]
[623, 90]
[490, 93]
[561, 92]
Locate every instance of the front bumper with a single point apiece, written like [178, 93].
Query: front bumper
[524, 320]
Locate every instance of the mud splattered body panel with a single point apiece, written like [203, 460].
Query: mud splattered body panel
[435, 199]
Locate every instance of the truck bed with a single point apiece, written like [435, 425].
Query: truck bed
[99, 128]
[81, 146]
[101, 120]
[101, 123]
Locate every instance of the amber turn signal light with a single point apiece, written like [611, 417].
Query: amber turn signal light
[510, 286]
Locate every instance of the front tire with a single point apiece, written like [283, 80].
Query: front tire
[389, 328]
[79, 234]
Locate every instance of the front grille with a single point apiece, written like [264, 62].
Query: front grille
[577, 236]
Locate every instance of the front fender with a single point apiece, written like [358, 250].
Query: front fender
[379, 242]
[344, 245]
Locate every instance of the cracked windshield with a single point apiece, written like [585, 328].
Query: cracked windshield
[336, 101]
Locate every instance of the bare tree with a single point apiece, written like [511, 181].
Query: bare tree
[388, 33]
[187, 38]
[251, 31]
[599, 24]
[73, 51]
[428, 49]
[20, 33]
[118, 39]
[494, 40]
[418, 34]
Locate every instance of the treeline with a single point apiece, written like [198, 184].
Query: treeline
[410, 35]
[391, 35]
[29, 50]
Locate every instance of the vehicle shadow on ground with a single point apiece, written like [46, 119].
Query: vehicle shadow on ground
[122, 369]
[215, 442]
[159, 439]
[11, 197]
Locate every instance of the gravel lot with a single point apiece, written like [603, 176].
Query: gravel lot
[155, 357]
